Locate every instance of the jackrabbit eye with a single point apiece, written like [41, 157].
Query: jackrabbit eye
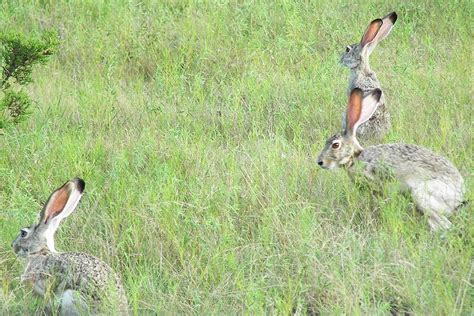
[335, 145]
[348, 49]
[23, 233]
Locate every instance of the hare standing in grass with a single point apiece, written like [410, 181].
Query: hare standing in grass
[435, 185]
[356, 57]
[82, 283]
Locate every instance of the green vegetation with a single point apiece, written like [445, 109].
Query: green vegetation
[196, 128]
[18, 55]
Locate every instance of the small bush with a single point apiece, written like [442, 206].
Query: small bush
[18, 56]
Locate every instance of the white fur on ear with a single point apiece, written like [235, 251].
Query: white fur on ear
[73, 200]
[388, 22]
[369, 105]
[71, 204]
[49, 236]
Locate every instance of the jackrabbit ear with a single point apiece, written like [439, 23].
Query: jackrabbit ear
[360, 109]
[371, 32]
[388, 22]
[62, 202]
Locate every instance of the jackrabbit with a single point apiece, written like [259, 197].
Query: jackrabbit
[356, 57]
[434, 183]
[81, 282]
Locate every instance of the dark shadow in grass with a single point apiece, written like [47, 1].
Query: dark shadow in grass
[397, 309]
[308, 310]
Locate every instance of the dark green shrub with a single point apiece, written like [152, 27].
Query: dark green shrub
[18, 56]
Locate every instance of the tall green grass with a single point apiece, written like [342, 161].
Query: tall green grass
[196, 127]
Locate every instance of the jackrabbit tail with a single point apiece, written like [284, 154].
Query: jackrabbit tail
[80, 283]
[436, 186]
[356, 57]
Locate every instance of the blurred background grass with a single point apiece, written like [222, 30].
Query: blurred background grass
[196, 127]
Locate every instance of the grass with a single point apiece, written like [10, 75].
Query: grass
[196, 127]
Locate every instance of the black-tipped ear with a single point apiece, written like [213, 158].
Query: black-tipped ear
[63, 201]
[80, 184]
[361, 108]
[388, 22]
[392, 16]
[377, 94]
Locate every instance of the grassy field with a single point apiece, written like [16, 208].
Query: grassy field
[196, 128]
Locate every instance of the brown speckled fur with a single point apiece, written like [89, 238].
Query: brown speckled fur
[80, 282]
[76, 271]
[436, 186]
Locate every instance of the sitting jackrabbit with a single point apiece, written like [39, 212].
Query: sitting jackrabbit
[356, 58]
[80, 281]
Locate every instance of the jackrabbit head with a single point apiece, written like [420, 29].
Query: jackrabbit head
[341, 148]
[40, 237]
[358, 54]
